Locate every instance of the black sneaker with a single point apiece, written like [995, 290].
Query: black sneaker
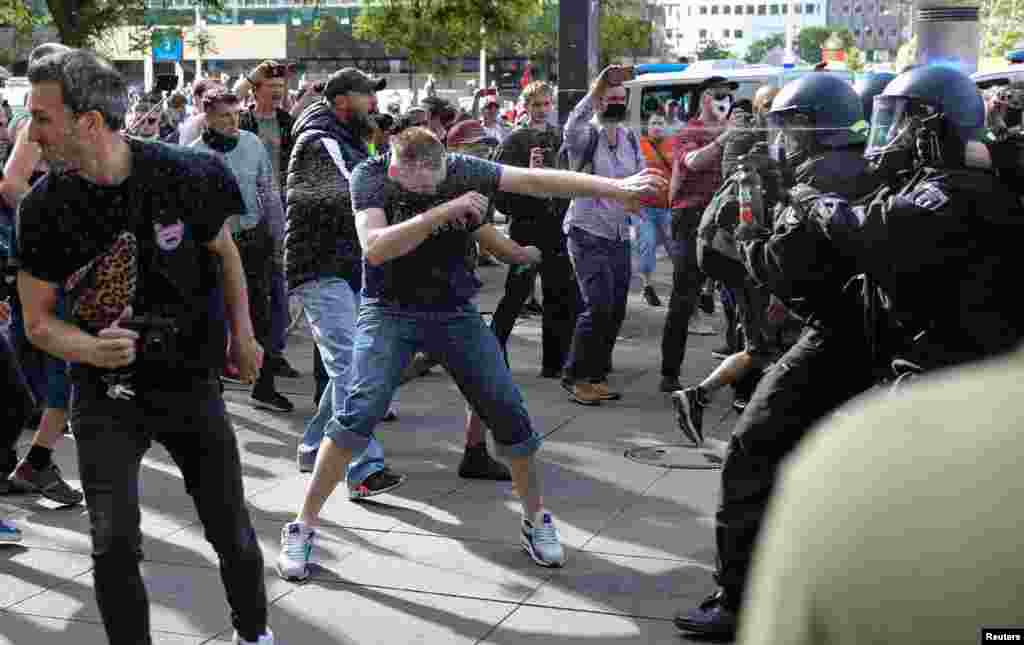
[47, 482]
[477, 463]
[283, 368]
[273, 400]
[378, 483]
[651, 297]
[690, 414]
[713, 617]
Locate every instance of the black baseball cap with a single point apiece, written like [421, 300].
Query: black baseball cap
[717, 81]
[351, 79]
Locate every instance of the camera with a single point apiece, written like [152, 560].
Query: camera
[157, 338]
[166, 82]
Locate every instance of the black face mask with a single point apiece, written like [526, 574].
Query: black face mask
[614, 112]
[218, 141]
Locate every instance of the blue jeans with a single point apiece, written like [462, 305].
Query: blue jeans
[279, 313]
[603, 273]
[654, 228]
[388, 334]
[331, 307]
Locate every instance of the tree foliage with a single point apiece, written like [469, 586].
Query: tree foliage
[1002, 26]
[907, 54]
[622, 35]
[84, 23]
[712, 50]
[810, 40]
[760, 48]
[433, 32]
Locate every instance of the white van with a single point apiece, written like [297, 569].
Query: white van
[649, 91]
[985, 80]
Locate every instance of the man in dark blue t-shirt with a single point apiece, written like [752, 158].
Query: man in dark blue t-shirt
[134, 232]
[418, 209]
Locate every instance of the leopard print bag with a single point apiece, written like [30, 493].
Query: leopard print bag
[99, 291]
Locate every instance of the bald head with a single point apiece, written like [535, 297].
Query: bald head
[763, 98]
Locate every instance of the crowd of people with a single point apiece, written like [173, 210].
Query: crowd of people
[853, 233]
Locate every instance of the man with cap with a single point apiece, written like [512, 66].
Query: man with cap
[696, 175]
[323, 257]
[489, 114]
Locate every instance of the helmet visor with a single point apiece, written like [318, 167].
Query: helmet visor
[791, 129]
[893, 122]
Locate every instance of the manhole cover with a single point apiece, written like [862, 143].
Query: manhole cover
[676, 456]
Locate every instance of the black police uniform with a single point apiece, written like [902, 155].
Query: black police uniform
[828, 365]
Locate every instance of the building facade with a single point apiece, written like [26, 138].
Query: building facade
[736, 24]
[879, 26]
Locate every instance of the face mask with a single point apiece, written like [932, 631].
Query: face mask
[219, 141]
[720, 108]
[614, 113]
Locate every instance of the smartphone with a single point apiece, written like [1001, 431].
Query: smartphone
[166, 82]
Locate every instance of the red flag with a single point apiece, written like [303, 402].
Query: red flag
[526, 79]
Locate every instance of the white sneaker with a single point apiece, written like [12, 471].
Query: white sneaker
[296, 548]
[542, 542]
[266, 639]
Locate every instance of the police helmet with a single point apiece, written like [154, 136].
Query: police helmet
[868, 86]
[940, 98]
[817, 111]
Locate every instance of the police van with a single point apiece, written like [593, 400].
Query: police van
[650, 91]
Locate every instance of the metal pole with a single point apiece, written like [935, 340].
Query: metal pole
[948, 33]
[578, 40]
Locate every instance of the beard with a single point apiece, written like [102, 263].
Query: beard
[359, 124]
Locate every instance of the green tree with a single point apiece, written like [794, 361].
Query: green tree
[854, 59]
[622, 35]
[760, 48]
[1001, 29]
[907, 54]
[712, 50]
[17, 16]
[810, 40]
[432, 33]
[82, 23]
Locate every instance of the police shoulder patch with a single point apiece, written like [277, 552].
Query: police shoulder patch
[928, 196]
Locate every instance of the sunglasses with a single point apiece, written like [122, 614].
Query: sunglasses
[721, 96]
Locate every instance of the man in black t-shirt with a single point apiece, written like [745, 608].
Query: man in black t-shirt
[134, 232]
[418, 209]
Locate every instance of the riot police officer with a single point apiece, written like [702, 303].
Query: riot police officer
[870, 85]
[819, 120]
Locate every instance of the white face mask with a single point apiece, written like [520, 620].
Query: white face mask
[721, 108]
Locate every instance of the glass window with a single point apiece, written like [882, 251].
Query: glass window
[727, 9]
[775, 10]
[738, 9]
[725, 33]
[762, 9]
[797, 8]
[785, 9]
[738, 33]
[703, 10]
[703, 34]
[714, 10]
[669, 33]
[750, 9]
[810, 8]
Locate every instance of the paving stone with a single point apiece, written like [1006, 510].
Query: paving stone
[543, 626]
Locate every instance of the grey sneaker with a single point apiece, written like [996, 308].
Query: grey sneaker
[47, 482]
[296, 549]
